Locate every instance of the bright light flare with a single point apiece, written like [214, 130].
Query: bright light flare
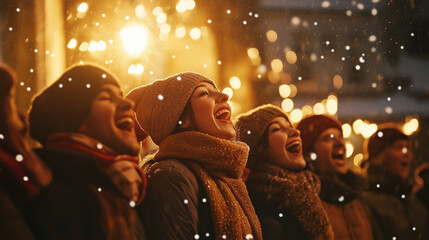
[277, 65]
[349, 149]
[296, 115]
[134, 39]
[195, 33]
[284, 90]
[411, 126]
[318, 108]
[332, 104]
[347, 130]
[287, 105]
[235, 82]
[291, 57]
[83, 7]
[228, 91]
[72, 44]
[180, 32]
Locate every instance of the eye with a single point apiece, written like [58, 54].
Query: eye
[275, 129]
[204, 93]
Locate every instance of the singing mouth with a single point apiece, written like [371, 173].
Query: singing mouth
[223, 113]
[294, 147]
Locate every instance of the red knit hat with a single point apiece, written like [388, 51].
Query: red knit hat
[311, 127]
[386, 135]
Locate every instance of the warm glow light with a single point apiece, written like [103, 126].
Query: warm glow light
[101, 46]
[180, 7]
[358, 159]
[287, 105]
[296, 115]
[180, 32]
[83, 7]
[161, 18]
[411, 126]
[338, 81]
[156, 11]
[228, 91]
[293, 90]
[140, 12]
[132, 69]
[349, 149]
[190, 4]
[235, 82]
[134, 39]
[366, 130]
[284, 91]
[307, 110]
[271, 36]
[253, 53]
[277, 65]
[291, 57]
[332, 104]
[72, 44]
[195, 33]
[356, 126]
[83, 47]
[165, 28]
[318, 109]
[347, 130]
[139, 69]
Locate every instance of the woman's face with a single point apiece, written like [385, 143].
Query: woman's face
[284, 145]
[211, 112]
[331, 152]
[111, 122]
[397, 158]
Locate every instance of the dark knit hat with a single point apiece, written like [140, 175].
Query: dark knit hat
[160, 104]
[311, 127]
[252, 125]
[64, 105]
[385, 136]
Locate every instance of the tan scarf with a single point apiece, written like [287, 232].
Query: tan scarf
[218, 164]
[293, 192]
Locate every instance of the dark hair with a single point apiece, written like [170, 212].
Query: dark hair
[260, 153]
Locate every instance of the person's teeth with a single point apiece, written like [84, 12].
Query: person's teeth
[124, 120]
[221, 112]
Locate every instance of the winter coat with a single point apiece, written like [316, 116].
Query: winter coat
[13, 224]
[81, 202]
[287, 203]
[340, 196]
[395, 211]
[195, 190]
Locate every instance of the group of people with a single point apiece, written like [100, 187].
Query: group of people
[255, 176]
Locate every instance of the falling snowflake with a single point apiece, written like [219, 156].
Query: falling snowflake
[179, 78]
[378, 185]
[249, 132]
[380, 134]
[196, 236]
[99, 189]
[280, 214]
[185, 201]
[25, 178]
[313, 156]
[1, 136]
[132, 204]
[99, 146]
[19, 158]
[249, 236]
[341, 199]
[204, 200]
[160, 97]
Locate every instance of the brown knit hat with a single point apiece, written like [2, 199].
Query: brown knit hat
[386, 135]
[252, 125]
[64, 105]
[311, 127]
[160, 104]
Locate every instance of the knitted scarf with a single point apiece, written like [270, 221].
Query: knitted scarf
[218, 164]
[383, 181]
[293, 192]
[104, 155]
[341, 189]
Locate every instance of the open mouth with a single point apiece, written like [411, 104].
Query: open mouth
[338, 156]
[404, 164]
[125, 124]
[223, 114]
[294, 147]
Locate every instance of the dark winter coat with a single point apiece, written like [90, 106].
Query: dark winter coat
[183, 198]
[395, 211]
[340, 196]
[81, 202]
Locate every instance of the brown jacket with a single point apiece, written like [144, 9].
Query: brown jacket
[347, 213]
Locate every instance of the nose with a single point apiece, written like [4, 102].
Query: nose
[126, 104]
[294, 132]
[222, 97]
[339, 141]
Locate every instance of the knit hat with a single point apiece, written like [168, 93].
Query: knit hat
[160, 104]
[64, 105]
[251, 126]
[311, 127]
[386, 135]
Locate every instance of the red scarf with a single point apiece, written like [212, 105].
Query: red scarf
[14, 176]
[84, 144]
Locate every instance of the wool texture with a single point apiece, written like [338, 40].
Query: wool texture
[341, 189]
[106, 157]
[65, 104]
[293, 192]
[252, 125]
[160, 104]
[383, 138]
[311, 127]
[218, 164]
